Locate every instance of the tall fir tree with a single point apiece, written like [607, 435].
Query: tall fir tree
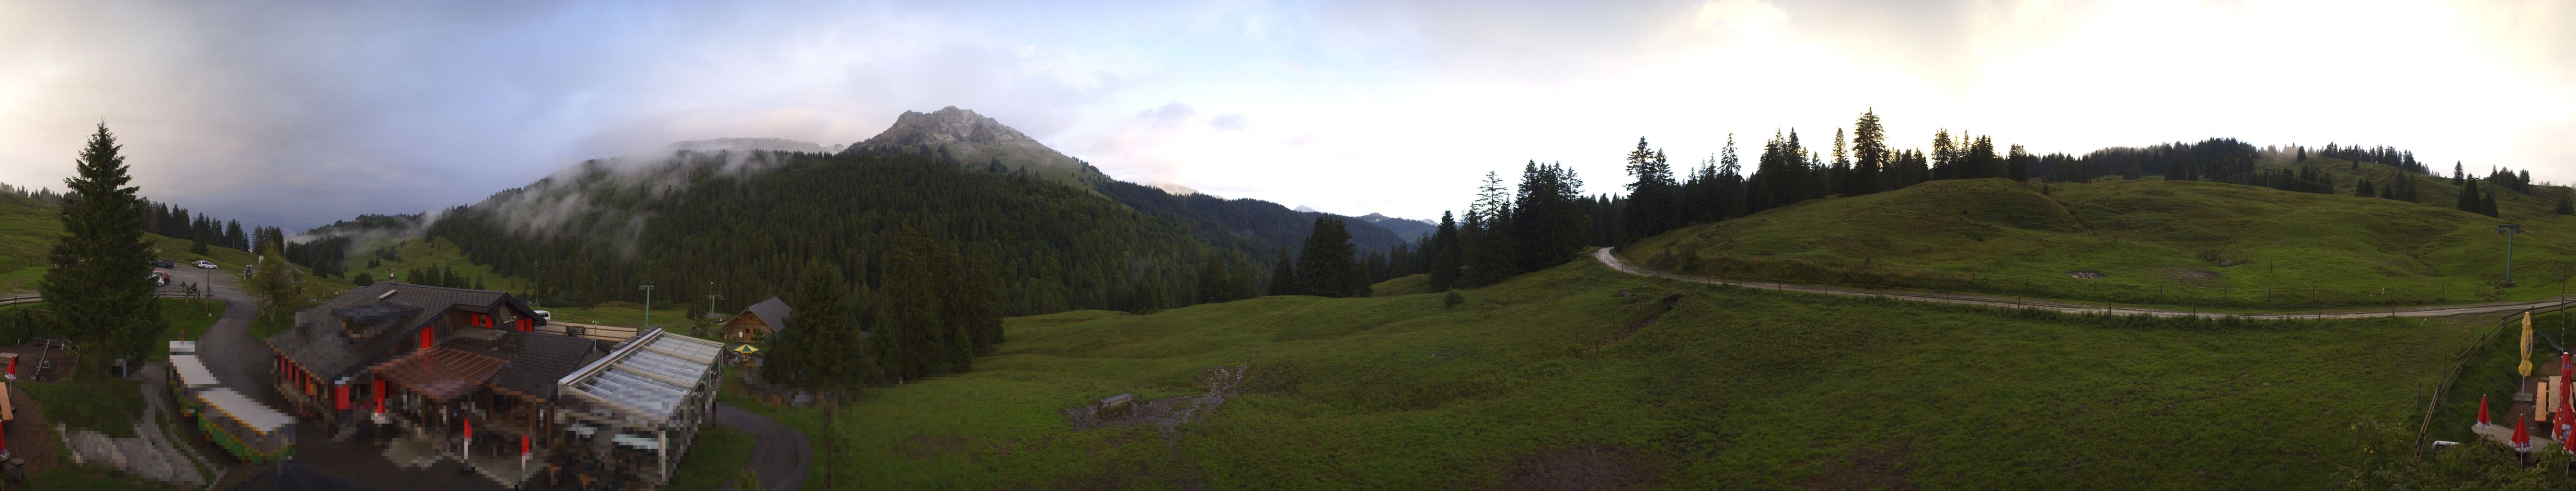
[1283, 275]
[1325, 267]
[822, 350]
[1650, 196]
[1445, 254]
[1869, 155]
[100, 264]
[2469, 200]
[1491, 251]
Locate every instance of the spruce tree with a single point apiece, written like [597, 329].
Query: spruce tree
[1283, 275]
[1324, 266]
[98, 282]
[2488, 205]
[1445, 254]
[820, 349]
[2469, 201]
[2566, 202]
[1214, 285]
[1870, 155]
[1650, 196]
[1491, 252]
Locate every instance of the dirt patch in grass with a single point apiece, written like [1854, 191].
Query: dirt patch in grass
[31, 356]
[1595, 467]
[2191, 275]
[1624, 333]
[1869, 468]
[31, 436]
[1167, 413]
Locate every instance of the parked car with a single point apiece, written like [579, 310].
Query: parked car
[160, 278]
[205, 264]
[163, 263]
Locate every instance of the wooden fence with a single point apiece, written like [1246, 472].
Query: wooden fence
[4, 302]
[2460, 364]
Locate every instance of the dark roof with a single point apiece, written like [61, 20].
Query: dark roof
[772, 311]
[317, 343]
[537, 360]
[441, 373]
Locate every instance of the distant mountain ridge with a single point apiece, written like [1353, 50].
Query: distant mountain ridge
[965, 138]
[977, 142]
[1402, 227]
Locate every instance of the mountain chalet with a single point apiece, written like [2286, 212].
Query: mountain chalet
[469, 371]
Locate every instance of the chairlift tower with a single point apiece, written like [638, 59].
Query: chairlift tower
[2508, 230]
[648, 305]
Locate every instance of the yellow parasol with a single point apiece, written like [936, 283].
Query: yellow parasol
[747, 349]
[2525, 368]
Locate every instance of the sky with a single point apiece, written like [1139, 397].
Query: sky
[300, 113]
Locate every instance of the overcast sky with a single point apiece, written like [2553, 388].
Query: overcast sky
[297, 114]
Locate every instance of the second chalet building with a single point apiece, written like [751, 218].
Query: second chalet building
[469, 369]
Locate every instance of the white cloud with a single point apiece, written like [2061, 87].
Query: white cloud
[300, 114]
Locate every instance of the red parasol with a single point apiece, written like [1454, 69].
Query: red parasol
[2482, 411]
[2521, 436]
[2565, 422]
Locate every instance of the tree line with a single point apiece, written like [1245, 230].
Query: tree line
[1546, 221]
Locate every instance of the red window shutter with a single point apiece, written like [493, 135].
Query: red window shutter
[425, 336]
[341, 392]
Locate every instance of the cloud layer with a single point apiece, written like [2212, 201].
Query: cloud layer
[297, 114]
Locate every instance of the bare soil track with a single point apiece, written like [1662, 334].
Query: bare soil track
[1604, 255]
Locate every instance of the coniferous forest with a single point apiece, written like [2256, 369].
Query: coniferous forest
[1050, 247]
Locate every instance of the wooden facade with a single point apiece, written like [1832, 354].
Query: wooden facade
[757, 322]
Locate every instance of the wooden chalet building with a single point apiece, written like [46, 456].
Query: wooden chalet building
[758, 321]
[434, 362]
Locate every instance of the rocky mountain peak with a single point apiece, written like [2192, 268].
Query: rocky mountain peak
[965, 138]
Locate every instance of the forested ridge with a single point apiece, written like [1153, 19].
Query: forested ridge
[749, 235]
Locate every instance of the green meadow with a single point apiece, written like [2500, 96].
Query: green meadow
[1550, 381]
[2153, 242]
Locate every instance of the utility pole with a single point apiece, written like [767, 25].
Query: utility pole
[539, 271]
[2508, 230]
[648, 304]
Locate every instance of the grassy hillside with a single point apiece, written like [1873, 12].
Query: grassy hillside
[29, 228]
[1550, 381]
[411, 254]
[2154, 241]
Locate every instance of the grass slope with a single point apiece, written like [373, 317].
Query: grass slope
[29, 229]
[1733, 388]
[2159, 242]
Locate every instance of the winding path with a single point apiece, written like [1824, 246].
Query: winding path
[780, 455]
[1607, 258]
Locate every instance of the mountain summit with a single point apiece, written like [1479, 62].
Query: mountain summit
[964, 138]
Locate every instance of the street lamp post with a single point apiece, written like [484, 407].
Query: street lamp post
[2508, 230]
